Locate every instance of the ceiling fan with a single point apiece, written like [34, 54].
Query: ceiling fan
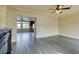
[60, 8]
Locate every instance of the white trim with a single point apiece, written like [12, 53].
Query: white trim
[69, 36]
[46, 36]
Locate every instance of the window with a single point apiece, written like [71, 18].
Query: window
[18, 25]
[25, 25]
[22, 24]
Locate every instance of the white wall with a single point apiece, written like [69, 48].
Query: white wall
[3, 16]
[47, 26]
[11, 23]
[69, 26]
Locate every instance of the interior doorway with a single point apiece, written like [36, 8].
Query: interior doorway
[26, 25]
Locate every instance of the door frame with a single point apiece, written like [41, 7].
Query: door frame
[35, 24]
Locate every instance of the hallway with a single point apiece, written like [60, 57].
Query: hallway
[26, 44]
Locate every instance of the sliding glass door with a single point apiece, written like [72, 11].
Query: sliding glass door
[23, 26]
[27, 24]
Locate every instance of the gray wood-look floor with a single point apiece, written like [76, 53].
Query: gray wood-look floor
[26, 44]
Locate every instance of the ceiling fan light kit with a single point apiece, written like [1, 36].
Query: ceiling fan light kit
[58, 11]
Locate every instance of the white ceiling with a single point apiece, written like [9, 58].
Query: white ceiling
[45, 8]
[36, 7]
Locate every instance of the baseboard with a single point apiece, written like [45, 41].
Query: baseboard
[46, 36]
[69, 37]
[58, 36]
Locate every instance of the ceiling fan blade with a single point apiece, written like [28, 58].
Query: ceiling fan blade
[53, 12]
[66, 8]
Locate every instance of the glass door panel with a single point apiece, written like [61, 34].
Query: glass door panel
[18, 25]
[25, 25]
